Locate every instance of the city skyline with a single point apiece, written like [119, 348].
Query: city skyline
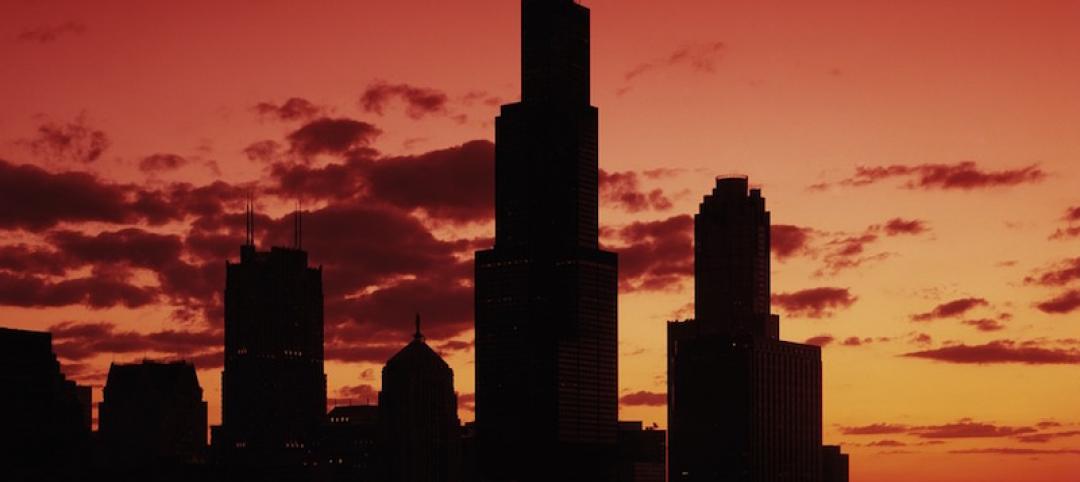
[946, 264]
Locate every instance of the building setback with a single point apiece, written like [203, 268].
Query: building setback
[743, 405]
[418, 414]
[642, 452]
[152, 415]
[273, 385]
[834, 464]
[546, 295]
[45, 417]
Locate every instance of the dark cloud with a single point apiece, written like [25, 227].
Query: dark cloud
[49, 33]
[467, 401]
[78, 341]
[1038, 438]
[456, 184]
[37, 199]
[874, 429]
[898, 226]
[265, 151]
[331, 136]
[1063, 303]
[820, 340]
[886, 443]
[132, 245]
[94, 292]
[963, 176]
[653, 255]
[1016, 451]
[788, 241]
[643, 399]
[73, 141]
[701, 58]
[814, 302]
[24, 259]
[161, 162]
[1058, 274]
[985, 324]
[358, 394]
[623, 190]
[968, 429]
[419, 101]
[1072, 228]
[1001, 351]
[295, 108]
[951, 309]
[856, 341]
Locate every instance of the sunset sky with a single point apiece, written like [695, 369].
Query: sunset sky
[921, 161]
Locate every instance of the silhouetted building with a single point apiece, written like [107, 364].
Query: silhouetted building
[546, 295]
[350, 444]
[152, 415]
[834, 464]
[743, 405]
[273, 386]
[44, 417]
[418, 413]
[642, 453]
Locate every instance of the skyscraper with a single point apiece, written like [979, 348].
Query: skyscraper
[153, 416]
[44, 417]
[418, 412]
[743, 405]
[273, 386]
[546, 295]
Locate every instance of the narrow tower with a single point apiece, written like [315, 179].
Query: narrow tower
[273, 385]
[546, 296]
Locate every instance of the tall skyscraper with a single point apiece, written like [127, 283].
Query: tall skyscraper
[44, 417]
[546, 295]
[418, 412]
[153, 416]
[743, 405]
[273, 385]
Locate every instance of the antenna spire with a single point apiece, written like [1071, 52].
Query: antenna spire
[249, 222]
[418, 336]
[298, 227]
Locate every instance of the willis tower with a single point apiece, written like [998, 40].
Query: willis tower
[546, 295]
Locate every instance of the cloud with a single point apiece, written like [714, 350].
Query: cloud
[73, 141]
[161, 162]
[815, 302]
[1072, 228]
[265, 151]
[50, 33]
[886, 443]
[1001, 351]
[78, 341]
[94, 292]
[968, 429]
[1059, 274]
[363, 393]
[1016, 451]
[331, 136]
[856, 341]
[965, 176]
[788, 241]
[1063, 303]
[643, 399]
[820, 340]
[622, 189]
[701, 58]
[874, 429]
[985, 324]
[1038, 438]
[950, 309]
[295, 108]
[419, 101]
[467, 401]
[653, 255]
[898, 226]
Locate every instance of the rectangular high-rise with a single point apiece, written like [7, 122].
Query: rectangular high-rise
[273, 386]
[743, 405]
[546, 295]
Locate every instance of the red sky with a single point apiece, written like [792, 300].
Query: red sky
[920, 160]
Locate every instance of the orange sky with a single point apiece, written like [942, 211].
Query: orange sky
[798, 97]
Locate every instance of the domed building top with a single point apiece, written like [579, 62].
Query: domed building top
[417, 353]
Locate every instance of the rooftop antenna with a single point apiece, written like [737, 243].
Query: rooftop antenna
[249, 222]
[418, 336]
[298, 227]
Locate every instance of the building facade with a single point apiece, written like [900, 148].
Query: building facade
[152, 415]
[273, 385]
[743, 405]
[834, 464]
[546, 295]
[418, 412]
[642, 453]
[45, 417]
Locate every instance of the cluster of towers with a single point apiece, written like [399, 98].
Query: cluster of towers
[743, 405]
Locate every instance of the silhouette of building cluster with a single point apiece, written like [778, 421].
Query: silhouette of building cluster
[743, 405]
